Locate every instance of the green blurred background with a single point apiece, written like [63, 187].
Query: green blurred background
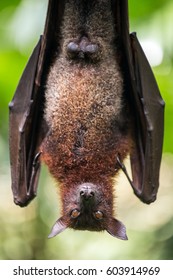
[23, 232]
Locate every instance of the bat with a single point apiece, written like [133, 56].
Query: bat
[86, 100]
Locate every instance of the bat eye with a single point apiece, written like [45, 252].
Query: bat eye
[75, 213]
[98, 215]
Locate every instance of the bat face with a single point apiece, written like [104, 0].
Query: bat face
[82, 105]
[86, 209]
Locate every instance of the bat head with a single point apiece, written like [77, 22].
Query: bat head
[87, 208]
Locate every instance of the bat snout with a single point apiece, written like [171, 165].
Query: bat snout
[86, 194]
[87, 191]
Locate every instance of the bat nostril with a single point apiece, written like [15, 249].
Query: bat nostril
[92, 193]
[82, 193]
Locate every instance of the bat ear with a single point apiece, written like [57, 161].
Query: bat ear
[58, 227]
[117, 229]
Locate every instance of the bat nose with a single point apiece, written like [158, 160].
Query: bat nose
[86, 191]
[86, 194]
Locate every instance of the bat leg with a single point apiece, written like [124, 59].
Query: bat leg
[34, 175]
[123, 168]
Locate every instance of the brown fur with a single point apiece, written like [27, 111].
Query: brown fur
[85, 108]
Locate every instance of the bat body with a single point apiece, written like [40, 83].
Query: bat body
[90, 96]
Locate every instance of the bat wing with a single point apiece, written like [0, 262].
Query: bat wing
[27, 127]
[147, 108]
[146, 155]
[24, 123]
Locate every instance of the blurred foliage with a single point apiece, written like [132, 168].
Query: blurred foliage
[24, 231]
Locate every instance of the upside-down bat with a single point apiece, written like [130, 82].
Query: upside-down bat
[87, 98]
